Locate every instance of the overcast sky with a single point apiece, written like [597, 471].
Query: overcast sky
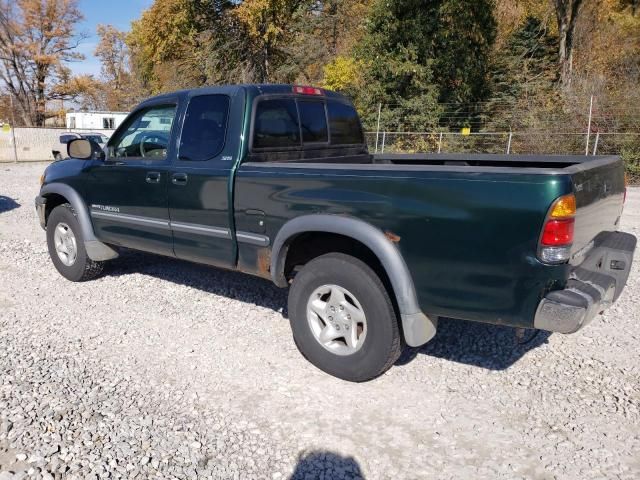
[119, 13]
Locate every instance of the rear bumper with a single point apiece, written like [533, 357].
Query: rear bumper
[41, 206]
[591, 288]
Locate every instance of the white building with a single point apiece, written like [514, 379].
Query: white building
[95, 120]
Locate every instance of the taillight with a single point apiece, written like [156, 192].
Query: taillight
[300, 90]
[557, 234]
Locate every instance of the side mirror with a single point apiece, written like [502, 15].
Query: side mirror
[84, 149]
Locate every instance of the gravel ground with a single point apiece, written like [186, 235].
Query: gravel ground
[165, 369]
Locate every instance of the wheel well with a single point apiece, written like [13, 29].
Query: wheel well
[307, 246]
[53, 200]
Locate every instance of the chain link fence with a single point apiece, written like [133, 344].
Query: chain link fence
[24, 144]
[512, 143]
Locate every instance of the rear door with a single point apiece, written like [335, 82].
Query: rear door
[127, 192]
[199, 188]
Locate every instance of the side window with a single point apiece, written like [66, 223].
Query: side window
[204, 129]
[108, 123]
[344, 124]
[276, 124]
[313, 121]
[145, 135]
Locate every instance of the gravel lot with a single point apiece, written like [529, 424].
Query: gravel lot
[165, 369]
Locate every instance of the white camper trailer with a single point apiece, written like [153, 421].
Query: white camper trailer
[95, 120]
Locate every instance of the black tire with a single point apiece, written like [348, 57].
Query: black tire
[83, 269]
[382, 344]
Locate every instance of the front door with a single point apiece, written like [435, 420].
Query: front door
[199, 207]
[128, 191]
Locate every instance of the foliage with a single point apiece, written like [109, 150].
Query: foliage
[420, 53]
[343, 74]
[167, 43]
[524, 73]
[119, 89]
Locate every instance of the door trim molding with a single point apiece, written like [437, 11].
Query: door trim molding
[132, 219]
[216, 232]
[253, 239]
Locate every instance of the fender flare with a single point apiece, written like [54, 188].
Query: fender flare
[96, 250]
[417, 327]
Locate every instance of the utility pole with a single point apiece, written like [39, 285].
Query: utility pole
[586, 150]
[378, 129]
[13, 129]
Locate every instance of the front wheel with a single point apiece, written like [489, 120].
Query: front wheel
[342, 318]
[66, 246]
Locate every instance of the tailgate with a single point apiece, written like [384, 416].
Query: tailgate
[599, 187]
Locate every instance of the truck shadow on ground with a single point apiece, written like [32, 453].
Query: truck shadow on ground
[234, 285]
[328, 465]
[491, 347]
[7, 204]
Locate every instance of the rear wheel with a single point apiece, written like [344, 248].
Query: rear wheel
[342, 318]
[66, 246]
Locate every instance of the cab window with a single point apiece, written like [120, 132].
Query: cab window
[276, 124]
[313, 122]
[145, 135]
[344, 124]
[204, 129]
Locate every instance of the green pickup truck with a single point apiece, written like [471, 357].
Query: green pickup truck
[276, 181]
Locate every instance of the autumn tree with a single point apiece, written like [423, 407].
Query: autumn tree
[269, 25]
[117, 84]
[37, 40]
[170, 43]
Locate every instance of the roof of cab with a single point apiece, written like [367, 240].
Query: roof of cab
[258, 89]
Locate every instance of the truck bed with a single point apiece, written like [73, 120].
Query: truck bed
[598, 181]
[546, 162]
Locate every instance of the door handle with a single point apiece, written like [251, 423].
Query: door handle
[153, 177]
[179, 178]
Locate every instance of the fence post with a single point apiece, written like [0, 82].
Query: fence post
[509, 143]
[440, 144]
[378, 129]
[586, 150]
[13, 130]
[595, 145]
[384, 138]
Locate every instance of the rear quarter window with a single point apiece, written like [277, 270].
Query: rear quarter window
[205, 126]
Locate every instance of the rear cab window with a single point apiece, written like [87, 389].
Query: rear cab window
[344, 124]
[313, 121]
[276, 124]
[293, 123]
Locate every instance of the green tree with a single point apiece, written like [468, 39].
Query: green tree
[420, 53]
[524, 73]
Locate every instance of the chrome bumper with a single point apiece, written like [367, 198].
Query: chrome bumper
[592, 287]
[41, 206]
